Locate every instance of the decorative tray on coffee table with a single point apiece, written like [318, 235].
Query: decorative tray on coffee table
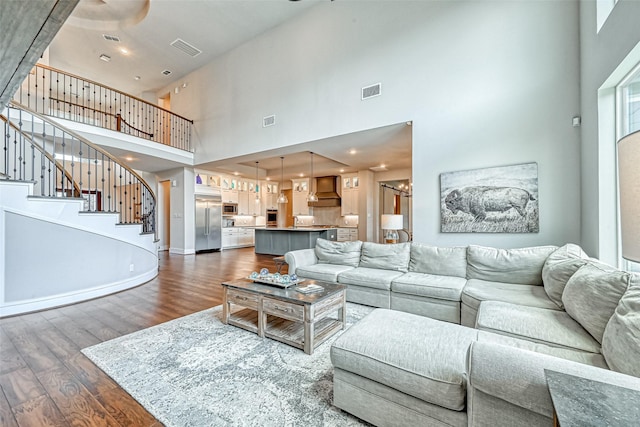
[275, 279]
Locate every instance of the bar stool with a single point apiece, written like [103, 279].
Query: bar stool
[279, 261]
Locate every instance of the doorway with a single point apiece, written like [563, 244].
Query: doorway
[395, 198]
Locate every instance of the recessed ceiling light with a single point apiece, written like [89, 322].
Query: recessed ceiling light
[124, 51]
[105, 58]
[268, 179]
[341, 170]
[236, 173]
[352, 151]
[137, 77]
[382, 165]
[129, 159]
[301, 175]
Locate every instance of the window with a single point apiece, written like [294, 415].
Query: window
[628, 118]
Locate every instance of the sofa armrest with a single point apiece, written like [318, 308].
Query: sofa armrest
[517, 376]
[300, 258]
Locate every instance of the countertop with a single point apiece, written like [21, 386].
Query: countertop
[298, 228]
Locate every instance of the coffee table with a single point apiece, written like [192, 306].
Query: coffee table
[284, 314]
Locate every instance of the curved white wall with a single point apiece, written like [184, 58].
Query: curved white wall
[54, 255]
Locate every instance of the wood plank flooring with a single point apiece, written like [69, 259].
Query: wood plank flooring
[46, 381]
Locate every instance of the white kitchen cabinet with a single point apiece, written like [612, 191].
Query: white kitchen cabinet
[269, 195]
[237, 237]
[229, 237]
[349, 196]
[229, 196]
[347, 234]
[243, 203]
[300, 193]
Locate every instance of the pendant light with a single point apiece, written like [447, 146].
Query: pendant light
[312, 197]
[282, 198]
[257, 186]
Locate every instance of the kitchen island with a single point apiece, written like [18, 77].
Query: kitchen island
[279, 241]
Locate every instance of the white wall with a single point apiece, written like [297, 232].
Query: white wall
[605, 58]
[485, 83]
[182, 203]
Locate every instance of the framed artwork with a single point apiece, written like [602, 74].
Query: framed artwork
[347, 183]
[491, 200]
[356, 182]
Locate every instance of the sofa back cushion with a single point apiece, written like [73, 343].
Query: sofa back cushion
[558, 269]
[440, 261]
[621, 339]
[386, 257]
[521, 266]
[592, 294]
[339, 253]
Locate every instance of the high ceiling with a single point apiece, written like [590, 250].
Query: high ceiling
[145, 30]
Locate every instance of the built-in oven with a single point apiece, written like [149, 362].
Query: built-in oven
[229, 209]
[272, 217]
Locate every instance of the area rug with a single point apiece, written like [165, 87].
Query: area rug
[196, 371]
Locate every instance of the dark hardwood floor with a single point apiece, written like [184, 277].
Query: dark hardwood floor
[46, 381]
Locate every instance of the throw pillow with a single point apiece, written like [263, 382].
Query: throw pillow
[386, 257]
[558, 269]
[621, 340]
[521, 266]
[339, 253]
[440, 261]
[592, 294]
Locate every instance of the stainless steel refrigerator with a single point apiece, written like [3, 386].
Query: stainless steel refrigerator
[208, 223]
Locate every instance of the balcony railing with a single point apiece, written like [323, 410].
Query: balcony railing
[56, 93]
[63, 164]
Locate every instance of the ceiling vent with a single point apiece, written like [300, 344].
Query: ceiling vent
[166, 72]
[268, 121]
[111, 38]
[186, 47]
[371, 91]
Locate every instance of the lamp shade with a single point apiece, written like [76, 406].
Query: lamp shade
[629, 181]
[391, 222]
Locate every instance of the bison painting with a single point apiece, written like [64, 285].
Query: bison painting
[477, 201]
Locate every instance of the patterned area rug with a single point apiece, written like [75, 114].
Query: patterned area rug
[196, 371]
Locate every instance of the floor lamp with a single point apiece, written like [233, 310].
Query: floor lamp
[629, 181]
[391, 224]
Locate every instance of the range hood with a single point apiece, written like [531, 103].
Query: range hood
[326, 191]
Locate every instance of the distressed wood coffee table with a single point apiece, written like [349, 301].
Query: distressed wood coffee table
[284, 314]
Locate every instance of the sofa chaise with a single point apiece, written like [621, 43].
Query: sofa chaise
[463, 335]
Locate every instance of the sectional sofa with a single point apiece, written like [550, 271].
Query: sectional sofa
[464, 334]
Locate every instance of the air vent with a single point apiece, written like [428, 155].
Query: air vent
[186, 47]
[111, 38]
[371, 91]
[268, 121]
[166, 72]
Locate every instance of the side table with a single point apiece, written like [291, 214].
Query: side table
[580, 401]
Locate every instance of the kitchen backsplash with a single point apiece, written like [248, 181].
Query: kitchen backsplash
[328, 216]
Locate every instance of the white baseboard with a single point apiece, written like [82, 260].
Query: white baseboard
[20, 307]
[180, 251]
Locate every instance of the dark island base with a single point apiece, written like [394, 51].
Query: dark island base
[278, 241]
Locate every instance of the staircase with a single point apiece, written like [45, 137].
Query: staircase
[75, 222]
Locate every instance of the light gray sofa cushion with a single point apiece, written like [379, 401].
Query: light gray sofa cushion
[621, 339]
[477, 291]
[540, 325]
[592, 294]
[441, 261]
[323, 272]
[369, 277]
[386, 257]
[593, 359]
[429, 285]
[421, 357]
[518, 266]
[558, 269]
[340, 253]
